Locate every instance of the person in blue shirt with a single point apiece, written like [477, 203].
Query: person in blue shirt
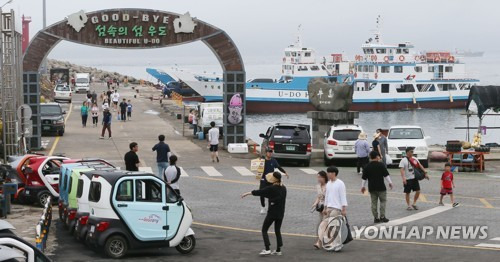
[270, 165]
[162, 155]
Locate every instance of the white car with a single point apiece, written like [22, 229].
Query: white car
[62, 92]
[401, 137]
[339, 142]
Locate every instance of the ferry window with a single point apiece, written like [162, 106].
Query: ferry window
[426, 88]
[303, 68]
[365, 68]
[323, 67]
[148, 190]
[372, 68]
[385, 69]
[287, 53]
[418, 69]
[329, 66]
[447, 87]
[364, 51]
[369, 51]
[385, 88]
[380, 50]
[448, 69]
[294, 54]
[360, 68]
[314, 68]
[307, 54]
[406, 51]
[431, 69]
[125, 191]
[407, 88]
[398, 51]
[398, 69]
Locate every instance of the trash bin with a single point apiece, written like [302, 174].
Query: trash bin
[201, 135]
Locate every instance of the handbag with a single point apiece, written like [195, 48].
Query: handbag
[320, 207]
[417, 171]
[388, 159]
[349, 237]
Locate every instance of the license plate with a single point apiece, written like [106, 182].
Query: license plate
[348, 148]
[290, 148]
[46, 128]
[92, 229]
[27, 192]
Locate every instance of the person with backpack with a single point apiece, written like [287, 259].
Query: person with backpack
[172, 174]
[408, 166]
[276, 193]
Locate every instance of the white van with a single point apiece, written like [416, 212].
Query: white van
[82, 82]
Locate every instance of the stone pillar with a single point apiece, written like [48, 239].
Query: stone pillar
[323, 120]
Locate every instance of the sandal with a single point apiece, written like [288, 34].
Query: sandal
[415, 207]
[409, 208]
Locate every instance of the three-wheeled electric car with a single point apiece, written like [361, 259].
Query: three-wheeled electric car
[130, 210]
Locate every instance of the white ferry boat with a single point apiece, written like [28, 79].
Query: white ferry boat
[385, 77]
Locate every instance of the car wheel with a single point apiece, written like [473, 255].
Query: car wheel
[60, 132]
[43, 197]
[187, 244]
[425, 163]
[116, 247]
[307, 163]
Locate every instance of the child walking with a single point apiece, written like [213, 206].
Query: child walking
[447, 185]
[129, 110]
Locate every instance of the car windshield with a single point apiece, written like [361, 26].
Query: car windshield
[346, 135]
[62, 88]
[50, 110]
[82, 80]
[406, 133]
[290, 132]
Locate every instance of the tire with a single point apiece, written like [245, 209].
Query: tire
[425, 163]
[42, 197]
[307, 163]
[187, 245]
[116, 247]
[60, 132]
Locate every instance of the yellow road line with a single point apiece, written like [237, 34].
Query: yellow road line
[360, 239]
[305, 188]
[485, 203]
[54, 145]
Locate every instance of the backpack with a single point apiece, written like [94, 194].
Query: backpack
[417, 171]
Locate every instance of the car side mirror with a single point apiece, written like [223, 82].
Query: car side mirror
[262, 135]
[179, 200]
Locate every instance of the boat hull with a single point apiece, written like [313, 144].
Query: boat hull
[271, 107]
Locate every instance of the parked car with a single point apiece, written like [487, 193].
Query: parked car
[288, 141]
[42, 179]
[339, 142]
[62, 92]
[401, 137]
[131, 210]
[52, 117]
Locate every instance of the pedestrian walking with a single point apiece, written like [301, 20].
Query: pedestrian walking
[105, 104]
[319, 202]
[129, 110]
[108, 94]
[276, 193]
[362, 149]
[84, 111]
[123, 110]
[162, 155]
[115, 98]
[335, 202]
[131, 159]
[407, 168]
[447, 185]
[89, 98]
[106, 122]
[213, 142]
[172, 174]
[195, 123]
[95, 114]
[375, 143]
[373, 175]
[94, 97]
[270, 165]
[103, 95]
[383, 146]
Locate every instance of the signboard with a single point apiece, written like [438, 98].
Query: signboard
[211, 112]
[24, 112]
[129, 28]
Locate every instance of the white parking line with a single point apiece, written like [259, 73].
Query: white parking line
[495, 239]
[309, 171]
[211, 171]
[488, 245]
[418, 216]
[243, 171]
[183, 173]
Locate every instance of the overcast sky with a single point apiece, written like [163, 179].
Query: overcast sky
[261, 29]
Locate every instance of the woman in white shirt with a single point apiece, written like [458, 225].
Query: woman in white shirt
[172, 174]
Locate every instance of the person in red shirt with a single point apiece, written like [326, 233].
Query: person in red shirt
[447, 185]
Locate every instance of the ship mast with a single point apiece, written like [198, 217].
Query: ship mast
[298, 42]
[378, 37]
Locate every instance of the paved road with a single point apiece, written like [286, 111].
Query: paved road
[227, 227]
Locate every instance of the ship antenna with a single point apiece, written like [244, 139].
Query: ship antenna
[378, 37]
[298, 43]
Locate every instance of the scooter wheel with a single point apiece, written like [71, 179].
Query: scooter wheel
[116, 247]
[187, 245]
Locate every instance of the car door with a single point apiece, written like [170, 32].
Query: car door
[139, 202]
[175, 212]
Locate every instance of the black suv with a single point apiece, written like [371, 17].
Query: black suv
[288, 141]
[52, 117]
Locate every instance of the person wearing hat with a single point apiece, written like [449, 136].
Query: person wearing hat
[276, 193]
[270, 165]
[362, 149]
[376, 143]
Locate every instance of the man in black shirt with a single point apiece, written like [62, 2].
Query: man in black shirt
[131, 159]
[162, 152]
[270, 165]
[375, 172]
[123, 110]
